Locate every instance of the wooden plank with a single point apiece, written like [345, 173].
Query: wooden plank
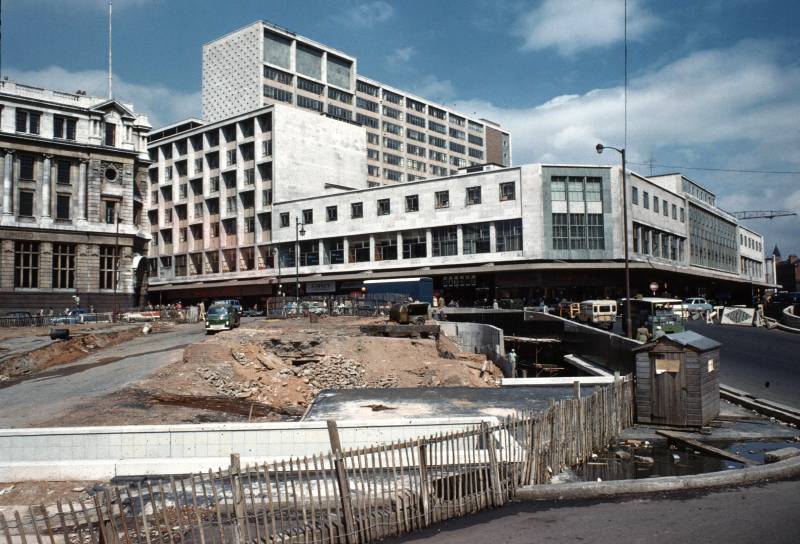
[4, 528]
[705, 447]
[341, 478]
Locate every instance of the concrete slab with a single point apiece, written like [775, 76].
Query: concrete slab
[781, 455]
[435, 402]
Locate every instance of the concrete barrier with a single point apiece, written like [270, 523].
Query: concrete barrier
[104, 452]
[479, 338]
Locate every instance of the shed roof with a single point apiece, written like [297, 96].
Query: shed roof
[690, 339]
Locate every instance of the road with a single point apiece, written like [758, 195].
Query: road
[765, 363]
[767, 513]
[46, 395]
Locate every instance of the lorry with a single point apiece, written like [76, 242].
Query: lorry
[418, 289]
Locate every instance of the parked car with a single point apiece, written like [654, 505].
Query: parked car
[222, 317]
[76, 315]
[600, 313]
[696, 304]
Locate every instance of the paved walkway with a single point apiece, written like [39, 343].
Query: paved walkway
[44, 396]
[767, 513]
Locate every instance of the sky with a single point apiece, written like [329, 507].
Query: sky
[713, 85]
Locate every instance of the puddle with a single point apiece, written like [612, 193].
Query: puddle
[666, 461]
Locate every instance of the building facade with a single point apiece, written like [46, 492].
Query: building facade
[72, 224]
[409, 138]
[527, 232]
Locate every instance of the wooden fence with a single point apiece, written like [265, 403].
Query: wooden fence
[344, 496]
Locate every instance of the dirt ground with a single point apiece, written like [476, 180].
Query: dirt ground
[25, 493]
[270, 370]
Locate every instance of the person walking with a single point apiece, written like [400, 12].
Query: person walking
[512, 361]
[202, 310]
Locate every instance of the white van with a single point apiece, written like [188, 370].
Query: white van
[600, 313]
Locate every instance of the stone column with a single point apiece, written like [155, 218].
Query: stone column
[82, 189]
[428, 243]
[346, 250]
[46, 186]
[8, 182]
[399, 246]
[460, 240]
[372, 247]
[321, 251]
[492, 238]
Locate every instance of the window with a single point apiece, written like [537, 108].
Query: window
[341, 96]
[438, 142]
[277, 94]
[198, 209]
[437, 127]
[26, 264]
[331, 213]
[373, 170]
[111, 211]
[359, 250]
[26, 203]
[444, 241]
[180, 265]
[509, 235]
[249, 224]
[231, 157]
[475, 140]
[214, 230]
[455, 133]
[415, 135]
[154, 197]
[183, 191]
[645, 200]
[392, 159]
[250, 176]
[575, 189]
[392, 128]
[476, 153]
[414, 245]
[365, 104]
[25, 166]
[458, 148]
[412, 203]
[277, 75]
[665, 208]
[213, 183]
[356, 210]
[391, 112]
[593, 189]
[438, 156]
[62, 206]
[415, 150]
[392, 97]
[392, 175]
[28, 121]
[110, 134]
[386, 247]
[683, 215]
[473, 195]
[476, 238]
[436, 112]
[594, 231]
[284, 219]
[308, 217]
[634, 195]
[384, 207]
[63, 266]
[182, 234]
[560, 231]
[367, 121]
[168, 216]
[655, 204]
[558, 188]
[442, 199]
[391, 143]
[366, 88]
[416, 120]
[339, 113]
[508, 191]
[309, 103]
[577, 231]
[108, 267]
[64, 127]
[230, 204]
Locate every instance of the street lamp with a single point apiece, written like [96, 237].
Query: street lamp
[298, 230]
[629, 324]
[277, 255]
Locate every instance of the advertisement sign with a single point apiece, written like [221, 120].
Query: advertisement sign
[321, 287]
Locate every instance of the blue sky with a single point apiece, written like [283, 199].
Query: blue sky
[712, 83]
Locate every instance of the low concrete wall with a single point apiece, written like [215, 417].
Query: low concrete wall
[479, 338]
[104, 452]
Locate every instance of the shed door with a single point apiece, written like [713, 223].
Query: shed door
[669, 393]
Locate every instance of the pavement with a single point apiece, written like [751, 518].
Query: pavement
[765, 363]
[764, 513]
[44, 396]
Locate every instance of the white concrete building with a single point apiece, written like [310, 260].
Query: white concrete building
[408, 137]
[72, 164]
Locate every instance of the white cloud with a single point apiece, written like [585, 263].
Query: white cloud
[433, 88]
[731, 108]
[162, 104]
[571, 26]
[401, 55]
[366, 14]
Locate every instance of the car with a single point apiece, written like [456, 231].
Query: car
[222, 317]
[252, 313]
[696, 304]
[76, 315]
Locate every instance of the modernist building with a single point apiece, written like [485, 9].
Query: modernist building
[72, 224]
[240, 204]
[408, 137]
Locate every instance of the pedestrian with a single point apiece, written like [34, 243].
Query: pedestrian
[50, 312]
[202, 310]
[512, 361]
[495, 305]
[40, 313]
[642, 334]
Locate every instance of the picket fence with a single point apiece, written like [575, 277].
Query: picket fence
[345, 496]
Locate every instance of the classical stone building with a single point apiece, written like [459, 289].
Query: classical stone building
[72, 222]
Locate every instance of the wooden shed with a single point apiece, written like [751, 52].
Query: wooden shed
[677, 380]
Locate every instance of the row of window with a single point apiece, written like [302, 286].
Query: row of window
[749, 242]
[64, 128]
[655, 242]
[576, 189]
[441, 200]
[245, 128]
[25, 206]
[27, 268]
[578, 231]
[659, 206]
[25, 169]
[749, 267]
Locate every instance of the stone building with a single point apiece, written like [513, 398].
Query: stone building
[72, 223]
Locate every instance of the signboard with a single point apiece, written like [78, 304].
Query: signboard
[321, 287]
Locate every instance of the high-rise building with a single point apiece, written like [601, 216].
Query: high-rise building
[409, 138]
[74, 176]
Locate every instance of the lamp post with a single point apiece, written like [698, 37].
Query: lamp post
[298, 230]
[629, 324]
